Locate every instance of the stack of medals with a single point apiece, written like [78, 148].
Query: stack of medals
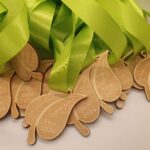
[24, 91]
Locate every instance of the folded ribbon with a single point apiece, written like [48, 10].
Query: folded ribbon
[41, 13]
[101, 23]
[71, 31]
[131, 19]
[73, 41]
[14, 32]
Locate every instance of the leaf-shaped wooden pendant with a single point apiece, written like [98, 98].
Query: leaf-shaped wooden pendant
[26, 62]
[53, 120]
[132, 62]
[126, 80]
[5, 95]
[141, 75]
[34, 110]
[27, 91]
[124, 75]
[86, 111]
[105, 83]
[22, 94]
[46, 109]
[16, 82]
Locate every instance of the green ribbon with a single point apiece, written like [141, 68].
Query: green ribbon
[131, 19]
[101, 23]
[71, 49]
[14, 32]
[73, 32]
[41, 13]
[3, 12]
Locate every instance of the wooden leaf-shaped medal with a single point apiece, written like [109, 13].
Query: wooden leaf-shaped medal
[34, 110]
[124, 75]
[5, 95]
[141, 75]
[132, 62]
[53, 120]
[17, 82]
[46, 109]
[25, 63]
[23, 93]
[27, 91]
[105, 83]
[89, 109]
[126, 80]
[86, 111]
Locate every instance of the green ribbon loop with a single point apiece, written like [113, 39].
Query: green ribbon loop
[41, 13]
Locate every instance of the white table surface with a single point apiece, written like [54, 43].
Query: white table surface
[127, 129]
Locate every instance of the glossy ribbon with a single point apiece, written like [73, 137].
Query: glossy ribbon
[73, 32]
[75, 51]
[71, 51]
[41, 13]
[14, 32]
[3, 12]
[101, 23]
[131, 19]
